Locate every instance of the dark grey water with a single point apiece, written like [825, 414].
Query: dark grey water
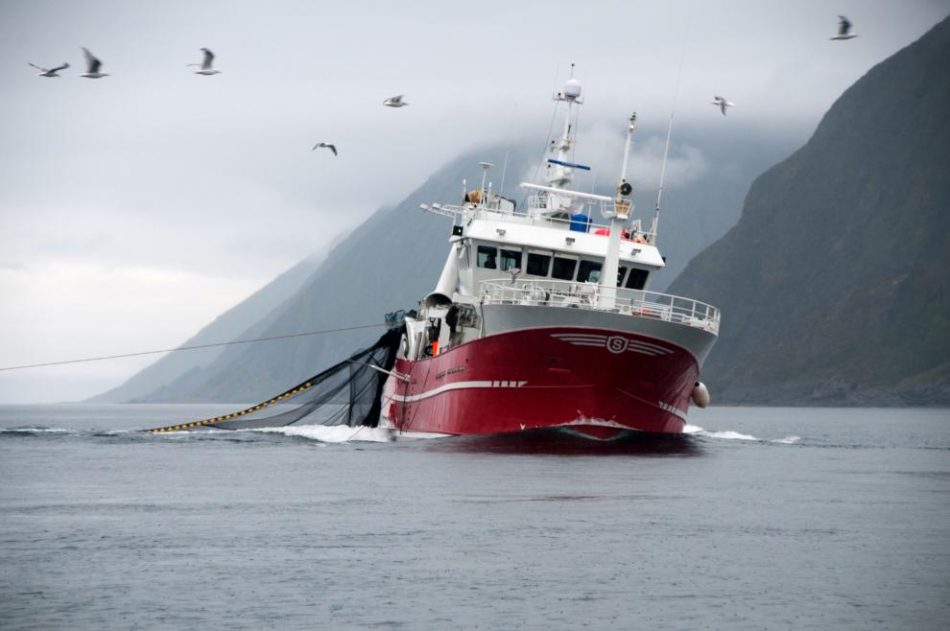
[767, 518]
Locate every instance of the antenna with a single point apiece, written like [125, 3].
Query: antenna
[548, 141]
[504, 168]
[659, 193]
[669, 133]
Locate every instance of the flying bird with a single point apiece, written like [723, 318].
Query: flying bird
[395, 101]
[205, 64]
[49, 72]
[844, 29]
[324, 145]
[92, 66]
[722, 104]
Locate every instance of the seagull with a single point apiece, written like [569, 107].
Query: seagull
[324, 145]
[49, 72]
[205, 64]
[395, 101]
[844, 28]
[722, 104]
[92, 66]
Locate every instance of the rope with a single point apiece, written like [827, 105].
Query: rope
[194, 347]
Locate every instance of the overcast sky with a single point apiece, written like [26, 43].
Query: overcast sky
[136, 208]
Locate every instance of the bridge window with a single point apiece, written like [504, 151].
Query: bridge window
[510, 259]
[589, 271]
[637, 278]
[538, 264]
[620, 274]
[563, 268]
[486, 257]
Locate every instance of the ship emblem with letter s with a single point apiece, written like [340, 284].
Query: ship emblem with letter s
[616, 344]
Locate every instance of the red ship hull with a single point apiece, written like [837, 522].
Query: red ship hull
[599, 383]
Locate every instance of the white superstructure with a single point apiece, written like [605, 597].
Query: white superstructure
[582, 250]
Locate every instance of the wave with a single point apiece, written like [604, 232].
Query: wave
[335, 434]
[696, 430]
[37, 430]
[320, 433]
[330, 433]
[788, 440]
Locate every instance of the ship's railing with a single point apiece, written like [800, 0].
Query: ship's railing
[546, 204]
[633, 302]
[460, 212]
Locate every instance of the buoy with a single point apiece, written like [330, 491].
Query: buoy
[700, 395]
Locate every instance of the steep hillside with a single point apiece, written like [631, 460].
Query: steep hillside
[228, 326]
[834, 283]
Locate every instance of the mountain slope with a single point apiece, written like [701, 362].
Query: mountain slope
[226, 327]
[834, 283]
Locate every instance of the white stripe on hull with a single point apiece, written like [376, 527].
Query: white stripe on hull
[460, 385]
[675, 411]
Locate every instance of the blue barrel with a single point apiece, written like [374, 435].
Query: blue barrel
[580, 222]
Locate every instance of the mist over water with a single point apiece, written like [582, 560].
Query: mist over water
[755, 518]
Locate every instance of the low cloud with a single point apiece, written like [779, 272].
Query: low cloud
[601, 147]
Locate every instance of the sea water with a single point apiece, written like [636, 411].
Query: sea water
[756, 518]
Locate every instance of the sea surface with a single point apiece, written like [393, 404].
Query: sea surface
[758, 518]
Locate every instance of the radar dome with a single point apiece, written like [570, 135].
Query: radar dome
[572, 89]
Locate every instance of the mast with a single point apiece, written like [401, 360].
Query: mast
[608, 277]
[559, 173]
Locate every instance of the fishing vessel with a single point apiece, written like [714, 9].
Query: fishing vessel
[542, 318]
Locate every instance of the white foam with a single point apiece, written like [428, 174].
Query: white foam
[730, 435]
[594, 422]
[332, 434]
[788, 440]
[696, 430]
[37, 430]
[724, 435]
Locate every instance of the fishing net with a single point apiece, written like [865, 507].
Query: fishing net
[348, 393]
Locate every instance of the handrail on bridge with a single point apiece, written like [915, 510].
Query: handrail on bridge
[633, 302]
[460, 212]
